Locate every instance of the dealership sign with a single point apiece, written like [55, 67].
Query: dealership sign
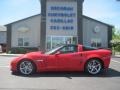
[61, 15]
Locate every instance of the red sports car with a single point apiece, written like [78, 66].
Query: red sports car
[63, 58]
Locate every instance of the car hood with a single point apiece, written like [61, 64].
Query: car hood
[33, 55]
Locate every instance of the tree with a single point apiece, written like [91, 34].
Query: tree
[116, 40]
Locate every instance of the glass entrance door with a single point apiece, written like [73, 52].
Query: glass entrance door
[96, 42]
[55, 41]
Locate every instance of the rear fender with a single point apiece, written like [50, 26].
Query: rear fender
[94, 56]
[91, 57]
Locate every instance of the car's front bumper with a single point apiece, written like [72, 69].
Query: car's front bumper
[13, 65]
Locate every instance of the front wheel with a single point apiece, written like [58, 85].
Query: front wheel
[26, 67]
[93, 66]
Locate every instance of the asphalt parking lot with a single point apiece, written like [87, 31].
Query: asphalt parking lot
[109, 80]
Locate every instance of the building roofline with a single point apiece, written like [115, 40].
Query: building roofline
[82, 15]
[22, 19]
[3, 28]
[97, 21]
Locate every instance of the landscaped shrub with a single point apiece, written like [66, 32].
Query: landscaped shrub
[117, 48]
[22, 50]
[18, 51]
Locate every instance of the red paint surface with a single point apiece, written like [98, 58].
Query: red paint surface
[64, 62]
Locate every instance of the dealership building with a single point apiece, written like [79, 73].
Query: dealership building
[60, 22]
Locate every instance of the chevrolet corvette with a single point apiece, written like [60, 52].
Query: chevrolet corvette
[64, 58]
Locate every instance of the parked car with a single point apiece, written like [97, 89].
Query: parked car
[63, 58]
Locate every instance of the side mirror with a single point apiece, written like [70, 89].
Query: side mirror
[41, 52]
[57, 53]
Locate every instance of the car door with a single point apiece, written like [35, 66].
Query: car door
[51, 63]
[69, 58]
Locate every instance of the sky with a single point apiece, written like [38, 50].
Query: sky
[107, 11]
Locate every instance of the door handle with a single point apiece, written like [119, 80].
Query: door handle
[81, 54]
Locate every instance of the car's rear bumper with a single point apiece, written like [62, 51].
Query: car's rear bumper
[106, 62]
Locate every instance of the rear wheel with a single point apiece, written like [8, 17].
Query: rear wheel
[26, 67]
[93, 66]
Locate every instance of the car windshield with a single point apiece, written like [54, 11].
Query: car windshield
[53, 50]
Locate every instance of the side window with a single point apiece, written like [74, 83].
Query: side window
[69, 49]
[88, 48]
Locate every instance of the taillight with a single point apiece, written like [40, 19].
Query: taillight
[111, 53]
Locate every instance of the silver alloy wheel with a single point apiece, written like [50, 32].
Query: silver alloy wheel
[94, 66]
[26, 67]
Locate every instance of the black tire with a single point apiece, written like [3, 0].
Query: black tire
[29, 69]
[93, 66]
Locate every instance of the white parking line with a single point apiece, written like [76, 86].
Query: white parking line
[4, 66]
[115, 61]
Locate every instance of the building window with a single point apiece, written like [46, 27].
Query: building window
[55, 41]
[26, 41]
[23, 42]
[69, 49]
[95, 42]
[20, 41]
[48, 43]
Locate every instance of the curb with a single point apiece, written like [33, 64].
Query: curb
[11, 55]
[116, 56]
